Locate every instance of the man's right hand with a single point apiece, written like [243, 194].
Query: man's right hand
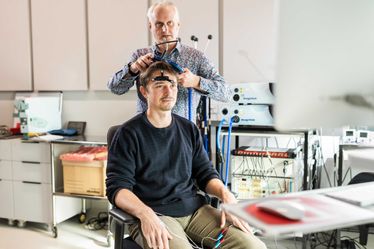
[154, 230]
[142, 63]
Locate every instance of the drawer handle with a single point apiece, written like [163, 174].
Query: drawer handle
[27, 182]
[30, 162]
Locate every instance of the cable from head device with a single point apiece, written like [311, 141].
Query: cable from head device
[161, 56]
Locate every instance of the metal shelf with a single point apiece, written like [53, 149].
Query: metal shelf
[92, 197]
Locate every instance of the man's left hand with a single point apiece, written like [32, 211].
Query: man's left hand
[188, 79]
[229, 198]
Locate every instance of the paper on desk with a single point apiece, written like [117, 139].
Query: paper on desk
[322, 213]
[47, 138]
[361, 195]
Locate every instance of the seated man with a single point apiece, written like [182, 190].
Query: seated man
[154, 160]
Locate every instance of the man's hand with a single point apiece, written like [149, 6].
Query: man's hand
[188, 79]
[154, 231]
[142, 63]
[229, 198]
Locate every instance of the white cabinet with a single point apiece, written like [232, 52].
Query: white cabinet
[6, 197]
[32, 201]
[5, 170]
[248, 40]
[32, 171]
[31, 166]
[31, 152]
[15, 46]
[116, 28]
[6, 186]
[59, 44]
[25, 181]
[200, 18]
[5, 150]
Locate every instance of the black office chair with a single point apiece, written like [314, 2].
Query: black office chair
[118, 218]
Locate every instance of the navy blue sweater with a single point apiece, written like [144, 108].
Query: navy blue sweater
[160, 165]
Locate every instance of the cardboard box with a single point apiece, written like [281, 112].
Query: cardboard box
[87, 178]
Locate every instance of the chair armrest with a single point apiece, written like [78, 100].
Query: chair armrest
[118, 220]
[122, 217]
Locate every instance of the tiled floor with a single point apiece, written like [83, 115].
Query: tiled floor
[72, 235]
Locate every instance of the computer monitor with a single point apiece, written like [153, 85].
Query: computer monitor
[325, 64]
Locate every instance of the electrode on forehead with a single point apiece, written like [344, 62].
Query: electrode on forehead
[163, 77]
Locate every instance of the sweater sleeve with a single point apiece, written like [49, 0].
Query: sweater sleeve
[121, 163]
[202, 168]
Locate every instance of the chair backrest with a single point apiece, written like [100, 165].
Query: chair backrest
[110, 134]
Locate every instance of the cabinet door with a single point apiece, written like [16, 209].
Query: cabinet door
[31, 152]
[32, 171]
[32, 202]
[6, 197]
[5, 170]
[116, 28]
[200, 18]
[59, 44]
[5, 149]
[15, 46]
[248, 40]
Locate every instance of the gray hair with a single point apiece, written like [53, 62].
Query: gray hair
[151, 14]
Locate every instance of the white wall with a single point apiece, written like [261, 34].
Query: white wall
[100, 109]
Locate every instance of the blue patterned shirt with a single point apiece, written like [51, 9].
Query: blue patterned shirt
[212, 83]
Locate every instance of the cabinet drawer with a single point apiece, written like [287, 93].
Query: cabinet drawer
[34, 152]
[5, 149]
[6, 197]
[32, 202]
[5, 170]
[32, 171]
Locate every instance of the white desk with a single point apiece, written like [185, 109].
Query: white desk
[341, 214]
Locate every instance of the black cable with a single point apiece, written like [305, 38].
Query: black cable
[354, 240]
[99, 222]
[325, 239]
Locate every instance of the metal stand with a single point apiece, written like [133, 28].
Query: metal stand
[57, 188]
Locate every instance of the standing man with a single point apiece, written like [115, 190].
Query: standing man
[153, 162]
[198, 71]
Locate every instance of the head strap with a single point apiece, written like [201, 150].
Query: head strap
[162, 77]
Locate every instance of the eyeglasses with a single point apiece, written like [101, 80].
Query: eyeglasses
[160, 25]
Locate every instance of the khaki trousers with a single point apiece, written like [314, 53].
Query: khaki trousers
[202, 226]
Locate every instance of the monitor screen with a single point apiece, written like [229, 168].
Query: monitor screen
[363, 134]
[325, 63]
[349, 133]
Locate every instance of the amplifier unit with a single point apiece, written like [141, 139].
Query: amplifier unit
[258, 115]
[252, 93]
[250, 104]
